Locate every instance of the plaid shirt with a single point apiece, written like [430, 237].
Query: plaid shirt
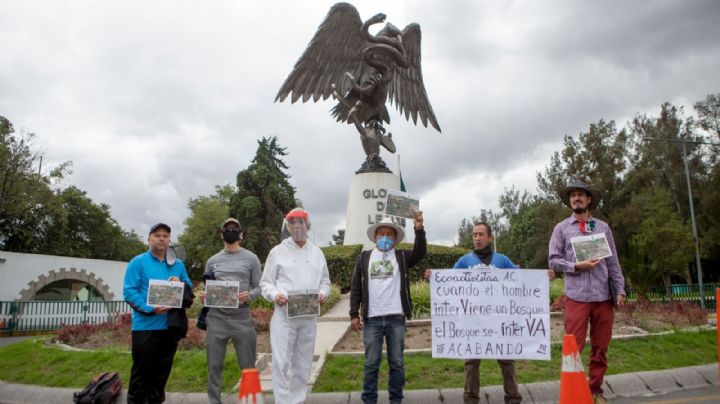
[590, 285]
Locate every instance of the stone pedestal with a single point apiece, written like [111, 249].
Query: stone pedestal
[366, 205]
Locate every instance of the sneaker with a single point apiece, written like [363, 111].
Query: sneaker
[598, 398]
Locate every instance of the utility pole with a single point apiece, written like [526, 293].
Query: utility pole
[692, 207]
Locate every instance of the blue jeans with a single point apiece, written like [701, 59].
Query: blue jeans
[393, 329]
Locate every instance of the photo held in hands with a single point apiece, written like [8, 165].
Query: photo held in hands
[592, 247]
[303, 303]
[401, 204]
[222, 293]
[165, 293]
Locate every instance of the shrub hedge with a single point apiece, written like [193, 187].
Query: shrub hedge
[420, 294]
[341, 261]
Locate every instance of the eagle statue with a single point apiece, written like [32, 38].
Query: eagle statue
[361, 71]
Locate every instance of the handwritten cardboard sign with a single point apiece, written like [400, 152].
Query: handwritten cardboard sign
[490, 313]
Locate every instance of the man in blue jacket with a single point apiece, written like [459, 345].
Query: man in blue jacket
[484, 257]
[153, 345]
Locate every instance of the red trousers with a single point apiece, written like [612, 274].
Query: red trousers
[601, 316]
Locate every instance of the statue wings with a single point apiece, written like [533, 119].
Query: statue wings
[337, 48]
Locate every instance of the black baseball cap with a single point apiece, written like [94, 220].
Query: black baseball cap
[158, 227]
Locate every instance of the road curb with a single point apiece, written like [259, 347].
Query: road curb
[623, 385]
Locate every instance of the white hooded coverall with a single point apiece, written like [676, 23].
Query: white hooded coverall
[291, 267]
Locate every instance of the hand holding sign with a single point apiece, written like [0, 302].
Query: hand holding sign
[418, 220]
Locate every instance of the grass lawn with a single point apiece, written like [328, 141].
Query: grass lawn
[34, 362]
[344, 373]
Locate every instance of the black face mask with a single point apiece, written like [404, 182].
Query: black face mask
[231, 236]
[485, 254]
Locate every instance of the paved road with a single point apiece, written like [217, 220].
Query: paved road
[702, 395]
[5, 341]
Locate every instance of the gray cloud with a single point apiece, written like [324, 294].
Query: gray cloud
[158, 102]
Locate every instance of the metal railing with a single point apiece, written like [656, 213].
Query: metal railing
[23, 316]
[680, 292]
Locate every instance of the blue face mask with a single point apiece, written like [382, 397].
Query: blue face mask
[384, 243]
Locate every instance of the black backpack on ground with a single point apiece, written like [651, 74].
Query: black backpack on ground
[105, 388]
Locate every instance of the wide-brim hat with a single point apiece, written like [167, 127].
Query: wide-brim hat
[386, 222]
[594, 194]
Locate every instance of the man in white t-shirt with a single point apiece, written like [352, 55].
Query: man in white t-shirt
[380, 294]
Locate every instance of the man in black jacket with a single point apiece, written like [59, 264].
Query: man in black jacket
[381, 289]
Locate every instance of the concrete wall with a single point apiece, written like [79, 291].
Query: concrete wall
[22, 275]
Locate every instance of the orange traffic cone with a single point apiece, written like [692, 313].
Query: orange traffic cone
[250, 387]
[574, 387]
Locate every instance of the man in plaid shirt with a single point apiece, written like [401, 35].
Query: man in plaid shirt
[590, 284]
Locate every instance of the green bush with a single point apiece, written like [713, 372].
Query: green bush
[557, 288]
[261, 303]
[341, 261]
[437, 257]
[333, 298]
[420, 295]
[194, 310]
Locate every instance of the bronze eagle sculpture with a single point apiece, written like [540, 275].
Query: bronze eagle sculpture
[362, 71]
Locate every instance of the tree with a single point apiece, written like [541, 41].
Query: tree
[708, 112]
[27, 203]
[661, 163]
[530, 220]
[465, 229]
[87, 230]
[37, 216]
[339, 238]
[202, 228]
[598, 157]
[264, 195]
[661, 235]
[465, 234]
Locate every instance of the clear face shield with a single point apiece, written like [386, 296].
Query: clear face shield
[173, 253]
[296, 225]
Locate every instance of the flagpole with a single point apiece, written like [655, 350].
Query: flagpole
[402, 184]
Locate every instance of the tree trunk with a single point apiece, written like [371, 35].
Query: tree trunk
[668, 287]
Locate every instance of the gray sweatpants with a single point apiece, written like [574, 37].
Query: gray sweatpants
[219, 329]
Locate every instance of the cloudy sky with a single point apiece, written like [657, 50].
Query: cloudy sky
[156, 102]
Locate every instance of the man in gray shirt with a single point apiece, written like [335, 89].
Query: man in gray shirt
[233, 263]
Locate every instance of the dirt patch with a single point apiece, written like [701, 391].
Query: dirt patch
[418, 334]
[121, 341]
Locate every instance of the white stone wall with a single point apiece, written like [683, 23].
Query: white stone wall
[21, 275]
